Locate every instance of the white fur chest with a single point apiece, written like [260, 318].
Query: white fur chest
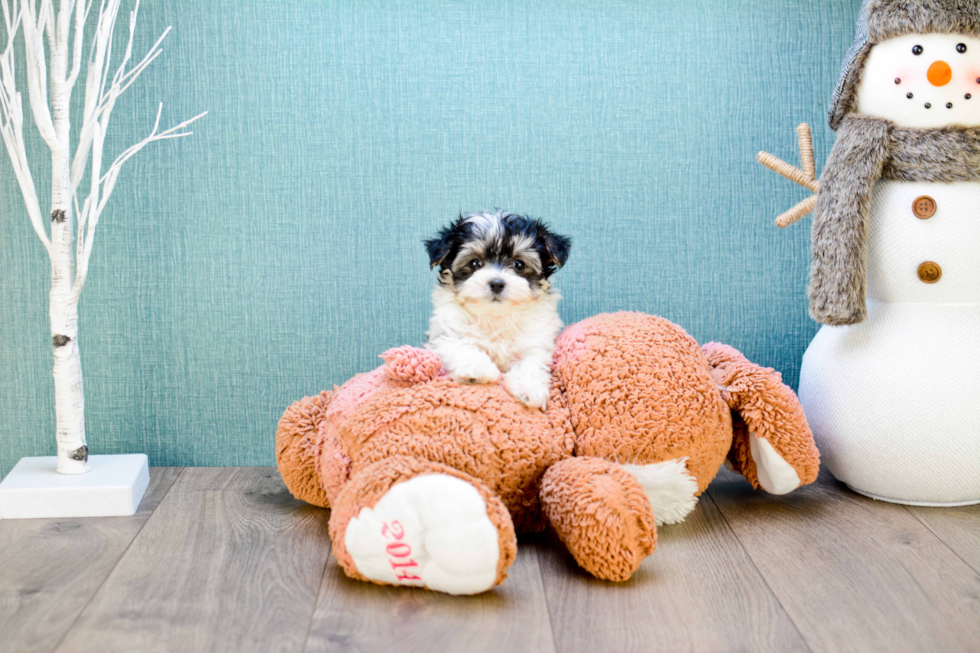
[899, 241]
[506, 335]
[497, 336]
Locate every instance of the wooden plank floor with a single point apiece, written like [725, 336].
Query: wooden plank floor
[225, 560]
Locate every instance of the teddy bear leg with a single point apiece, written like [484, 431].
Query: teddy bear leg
[404, 521]
[602, 515]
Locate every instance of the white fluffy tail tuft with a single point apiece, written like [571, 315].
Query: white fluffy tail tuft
[669, 487]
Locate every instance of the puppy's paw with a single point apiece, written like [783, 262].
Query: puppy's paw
[532, 390]
[476, 371]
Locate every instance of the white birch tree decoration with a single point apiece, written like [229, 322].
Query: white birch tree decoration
[53, 49]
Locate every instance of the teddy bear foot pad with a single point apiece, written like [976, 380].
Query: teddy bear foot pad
[429, 531]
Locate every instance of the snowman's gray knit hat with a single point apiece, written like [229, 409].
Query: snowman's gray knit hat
[880, 20]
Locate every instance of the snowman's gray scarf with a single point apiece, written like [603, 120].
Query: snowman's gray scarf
[869, 149]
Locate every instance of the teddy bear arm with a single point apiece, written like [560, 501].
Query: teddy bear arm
[602, 515]
[297, 442]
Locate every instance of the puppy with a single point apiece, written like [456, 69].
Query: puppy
[494, 310]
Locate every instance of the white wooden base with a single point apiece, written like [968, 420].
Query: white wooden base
[113, 487]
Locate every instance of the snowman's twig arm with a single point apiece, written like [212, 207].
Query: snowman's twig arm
[798, 212]
[792, 173]
[806, 151]
[807, 177]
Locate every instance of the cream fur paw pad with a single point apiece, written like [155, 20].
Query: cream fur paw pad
[532, 390]
[430, 531]
[477, 371]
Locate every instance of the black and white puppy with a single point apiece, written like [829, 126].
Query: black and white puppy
[494, 308]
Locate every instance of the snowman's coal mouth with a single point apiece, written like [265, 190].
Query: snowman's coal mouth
[948, 105]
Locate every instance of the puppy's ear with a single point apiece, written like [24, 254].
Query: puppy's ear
[441, 247]
[558, 248]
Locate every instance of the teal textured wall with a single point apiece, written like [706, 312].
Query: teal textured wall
[277, 251]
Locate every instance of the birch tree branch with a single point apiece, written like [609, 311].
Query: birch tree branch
[81, 15]
[12, 122]
[102, 186]
[47, 12]
[37, 74]
[101, 94]
[109, 179]
[99, 101]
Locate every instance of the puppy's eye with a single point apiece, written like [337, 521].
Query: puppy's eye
[917, 50]
[961, 48]
[519, 265]
[475, 264]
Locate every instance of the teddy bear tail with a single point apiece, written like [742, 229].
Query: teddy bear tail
[296, 439]
[772, 445]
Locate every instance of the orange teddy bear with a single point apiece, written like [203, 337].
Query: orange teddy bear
[429, 480]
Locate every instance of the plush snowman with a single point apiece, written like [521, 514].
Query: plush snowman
[891, 383]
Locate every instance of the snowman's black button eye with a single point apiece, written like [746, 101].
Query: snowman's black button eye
[961, 48]
[928, 105]
[898, 80]
[909, 96]
[917, 50]
[949, 105]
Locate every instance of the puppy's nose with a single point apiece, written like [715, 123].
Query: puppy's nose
[939, 73]
[496, 286]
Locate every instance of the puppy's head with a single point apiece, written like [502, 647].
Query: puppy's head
[494, 261]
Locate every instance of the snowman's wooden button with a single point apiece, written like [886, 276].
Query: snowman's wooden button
[924, 207]
[930, 272]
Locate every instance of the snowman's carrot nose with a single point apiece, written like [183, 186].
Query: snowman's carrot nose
[939, 73]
